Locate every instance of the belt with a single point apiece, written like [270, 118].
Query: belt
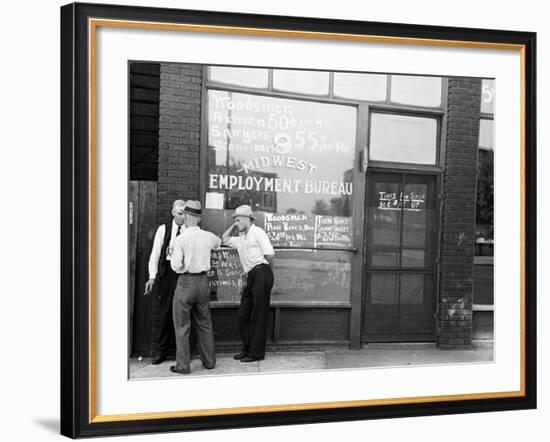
[256, 266]
[194, 274]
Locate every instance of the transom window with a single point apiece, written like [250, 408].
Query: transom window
[408, 90]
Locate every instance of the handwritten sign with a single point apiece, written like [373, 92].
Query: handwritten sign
[333, 231]
[412, 201]
[226, 275]
[290, 230]
[308, 231]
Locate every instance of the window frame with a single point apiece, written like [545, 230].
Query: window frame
[361, 165]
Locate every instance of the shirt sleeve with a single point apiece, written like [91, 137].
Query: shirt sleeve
[233, 241]
[155, 252]
[176, 259]
[216, 241]
[264, 243]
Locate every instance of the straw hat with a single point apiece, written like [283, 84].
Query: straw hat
[243, 211]
[193, 208]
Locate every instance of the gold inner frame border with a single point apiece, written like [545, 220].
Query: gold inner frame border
[93, 24]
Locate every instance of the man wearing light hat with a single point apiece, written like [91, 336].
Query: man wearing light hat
[191, 261]
[255, 252]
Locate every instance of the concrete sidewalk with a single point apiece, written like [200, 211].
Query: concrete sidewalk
[372, 355]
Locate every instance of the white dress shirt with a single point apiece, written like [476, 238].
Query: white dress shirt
[191, 251]
[157, 247]
[252, 247]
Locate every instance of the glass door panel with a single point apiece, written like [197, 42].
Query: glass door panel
[400, 258]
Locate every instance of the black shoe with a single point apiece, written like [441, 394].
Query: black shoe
[173, 369]
[240, 355]
[250, 359]
[158, 359]
[209, 367]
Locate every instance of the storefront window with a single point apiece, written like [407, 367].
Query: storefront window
[485, 189]
[403, 139]
[292, 161]
[368, 87]
[250, 77]
[301, 82]
[487, 96]
[486, 134]
[416, 91]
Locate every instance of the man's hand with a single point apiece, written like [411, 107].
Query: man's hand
[149, 286]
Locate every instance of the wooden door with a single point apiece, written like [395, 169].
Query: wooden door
[400, 258]
[142, 219]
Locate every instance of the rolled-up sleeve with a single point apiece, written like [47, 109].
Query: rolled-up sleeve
[233, 241]
[216, 242]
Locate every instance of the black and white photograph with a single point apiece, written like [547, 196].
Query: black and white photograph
[281, 220]
[293, 220]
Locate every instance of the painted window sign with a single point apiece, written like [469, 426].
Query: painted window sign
[301, 230]
[298, 153]
[412, 201]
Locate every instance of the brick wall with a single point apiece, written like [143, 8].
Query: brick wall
[459, 207]
[179, 144]
[179, 135]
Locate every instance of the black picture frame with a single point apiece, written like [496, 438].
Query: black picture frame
[76, 249]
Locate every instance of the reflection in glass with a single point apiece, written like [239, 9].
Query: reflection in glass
[414, 226]
[403, 139]
[487, 96]
[302, 82]
[385, 225]
[315, 275]
[251, 77]
[280, 155]
[416, 91]
[412, 289]
[383, 289]
[486, 134]
[368, 87]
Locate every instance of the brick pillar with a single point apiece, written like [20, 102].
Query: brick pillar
[459, 209]
[179, 135]
[179, 143]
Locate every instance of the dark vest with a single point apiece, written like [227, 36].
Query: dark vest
[163, 264]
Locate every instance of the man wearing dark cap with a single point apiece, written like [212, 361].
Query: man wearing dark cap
[191, 261]
[255, 253]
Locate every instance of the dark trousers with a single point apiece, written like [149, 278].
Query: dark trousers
[254, 310]
[192, 302]
[165, 292]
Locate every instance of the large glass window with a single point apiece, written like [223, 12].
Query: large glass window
[301, 82]
[292, 161]
[485, 190]
[486, 139]
[368, 87]
[250, 77]
[403, 139]
[416, 91]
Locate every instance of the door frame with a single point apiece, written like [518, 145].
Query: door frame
[438, 207]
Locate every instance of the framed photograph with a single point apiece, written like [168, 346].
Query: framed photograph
[273, 220]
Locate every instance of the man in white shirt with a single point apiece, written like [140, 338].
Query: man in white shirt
[191, 261]
[256, 253]
[164, 279]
